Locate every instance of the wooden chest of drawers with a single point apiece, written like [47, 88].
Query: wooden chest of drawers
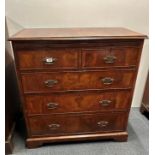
[76, 84]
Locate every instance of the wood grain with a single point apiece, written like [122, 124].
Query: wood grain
[76, 34]
[35, 82]
[77, 102]
[77, 123]
[124, 56]
[64, 58]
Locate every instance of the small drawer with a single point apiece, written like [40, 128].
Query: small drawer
[47, 58]
[82, 80]
[110, 57]
[77, 102]
[77, 124]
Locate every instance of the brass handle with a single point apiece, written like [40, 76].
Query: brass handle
[49, 60]
[52, 105]
[54, 126]
[50, 83]
[107, 80]
[109, 59]
[105, 102]
[102, 123]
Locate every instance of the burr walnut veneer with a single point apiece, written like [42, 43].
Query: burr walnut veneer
[76, 84]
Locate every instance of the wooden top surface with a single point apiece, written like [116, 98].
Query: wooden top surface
[76, 34]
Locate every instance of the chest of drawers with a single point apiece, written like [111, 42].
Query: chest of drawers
[76, 84]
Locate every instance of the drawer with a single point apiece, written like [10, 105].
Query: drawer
[47, 58]
[77, 124]
[65, 81]
[77, 102]
[110, 57]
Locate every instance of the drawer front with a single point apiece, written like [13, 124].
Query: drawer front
[47, 82]
[65, 58]
[110, 57]
[77, 124]
[77, 102]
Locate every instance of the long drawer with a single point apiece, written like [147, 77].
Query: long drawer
[61, 81]
[77, 102]
[77, 124]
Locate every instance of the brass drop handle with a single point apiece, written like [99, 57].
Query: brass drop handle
[52, 105]
[109, 59]
[54, 126]
[50, 83]
[105, 103]
[49, 60]
[102, 123]
[107, 80]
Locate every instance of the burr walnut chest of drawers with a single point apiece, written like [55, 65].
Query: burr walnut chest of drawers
[76, 84]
